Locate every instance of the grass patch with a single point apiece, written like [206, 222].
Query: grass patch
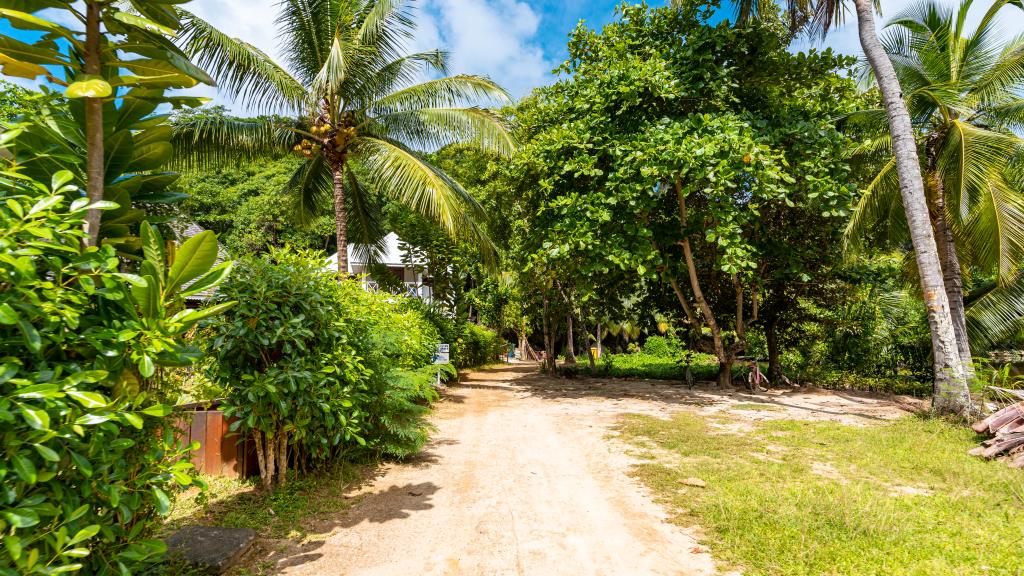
[803, 498]
[755, 406]
[283, 513]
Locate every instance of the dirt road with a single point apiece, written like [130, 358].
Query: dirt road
[521, 478]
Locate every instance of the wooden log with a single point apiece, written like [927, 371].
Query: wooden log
[1018, 462]
[1004, 444]
[1005, 416]
[1015, 426]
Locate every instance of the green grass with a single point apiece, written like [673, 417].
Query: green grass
[283, 513]
[756, 406]
[809, 498]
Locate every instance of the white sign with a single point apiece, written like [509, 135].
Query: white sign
[442, 354]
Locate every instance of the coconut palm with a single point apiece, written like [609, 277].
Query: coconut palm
[355, 105]
[963, 91]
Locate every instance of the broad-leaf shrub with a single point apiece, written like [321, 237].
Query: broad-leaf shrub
[89, 462]
[316, 368]
[478, 345]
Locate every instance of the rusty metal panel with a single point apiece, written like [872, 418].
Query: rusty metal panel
[214, 438]
[198, 433]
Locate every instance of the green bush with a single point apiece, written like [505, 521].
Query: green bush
[477, 346]
[644, 365]
[89, 460]
[320, 367]
[665, 347]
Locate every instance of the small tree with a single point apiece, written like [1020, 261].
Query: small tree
[91, 64]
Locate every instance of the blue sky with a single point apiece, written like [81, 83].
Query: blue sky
[515, 42]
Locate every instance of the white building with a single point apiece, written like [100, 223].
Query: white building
[412, 276]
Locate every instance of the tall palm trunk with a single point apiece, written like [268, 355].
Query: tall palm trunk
[951, 277]
[950, 393]
[94, 165]
[340, 215]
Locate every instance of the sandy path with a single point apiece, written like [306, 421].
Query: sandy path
[513, 483]
[524, 476]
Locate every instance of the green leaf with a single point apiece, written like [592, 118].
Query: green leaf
[8, 314]
[213, 278]
[158, 410]
[35, 418]
[193, 258]
[89, 86]
[21, 517]
[47, 453]
[84, 534]
[163, 503]
[151, 156]
[153, 247]
[30, 335]
[144, 23]
[133, 419]
[24, 468]
[82, 463]
[146, 367]
[88, 399]
[13, 545]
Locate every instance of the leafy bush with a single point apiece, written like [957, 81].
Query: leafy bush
[320, 365]
[89, 460]
[665, 347]
[644, 365]
[477, 346]
[291, 376]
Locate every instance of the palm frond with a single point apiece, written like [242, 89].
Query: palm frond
[879, 211]
[311, 190]
[996, 315]
[433, 128]
[208, 140]
[365, 225]
[242, 71]
[447, 92]
[395, 171]
[306, 29]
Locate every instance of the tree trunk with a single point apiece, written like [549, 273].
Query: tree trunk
[774, 366]
[340, 216]
[951, 277]
[94, 162]
[597, 334]
[570, 346]
[261, 459]
[950, 393]
[282, 458]
[549, 344]
[725, 372]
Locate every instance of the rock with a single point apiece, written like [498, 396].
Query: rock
[210, 549]
[694, 482]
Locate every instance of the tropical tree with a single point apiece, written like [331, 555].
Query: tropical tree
[964, 96]
[356, 110]
[951, 394]
[122, 53]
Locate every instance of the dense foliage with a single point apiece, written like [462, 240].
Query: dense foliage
[316, 368]
[90, 463]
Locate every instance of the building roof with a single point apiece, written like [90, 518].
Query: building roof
[392, 255]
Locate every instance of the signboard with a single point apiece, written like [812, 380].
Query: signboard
[442, 354]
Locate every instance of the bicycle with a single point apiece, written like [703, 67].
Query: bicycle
[756, 380]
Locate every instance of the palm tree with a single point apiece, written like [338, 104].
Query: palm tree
[950, 392]
[355, 105]
[964, 97]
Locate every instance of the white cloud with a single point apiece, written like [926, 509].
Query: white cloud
[495, 38]
[249, 20]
